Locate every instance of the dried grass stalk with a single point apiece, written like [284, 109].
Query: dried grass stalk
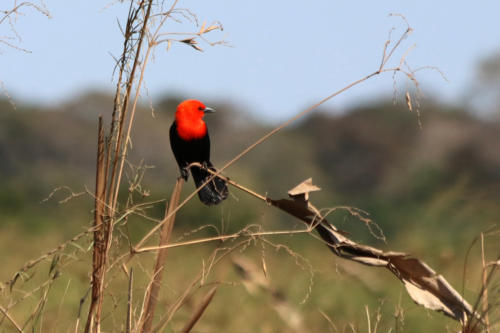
[102, 231]
[166, 231]
[199, 311]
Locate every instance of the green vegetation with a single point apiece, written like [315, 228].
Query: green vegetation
[432, 191]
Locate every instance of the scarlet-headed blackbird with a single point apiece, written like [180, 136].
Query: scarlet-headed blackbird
[190, 143]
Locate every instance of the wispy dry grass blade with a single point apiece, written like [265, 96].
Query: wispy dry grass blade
[199, 311]
[176, 305]
[32, 263]
[254, 280]
[12, 321]
[485, 302]
[128, 325]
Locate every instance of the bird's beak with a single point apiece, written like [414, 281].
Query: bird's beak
[209, 110]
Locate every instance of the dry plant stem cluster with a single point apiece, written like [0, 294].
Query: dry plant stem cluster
[484, 281]
[102, 235]
[483, 306]
[10, 16]
[141, 33]
[109, 157]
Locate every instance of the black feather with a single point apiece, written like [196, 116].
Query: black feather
[198, 150]
[212, 193]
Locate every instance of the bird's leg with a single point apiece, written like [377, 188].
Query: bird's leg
[184, 173]
[205, 166]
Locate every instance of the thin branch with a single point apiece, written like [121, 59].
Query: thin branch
[485, 287]
[235, 235]
[199, 311]
[13, 322]
[153, 292]
[128, 324]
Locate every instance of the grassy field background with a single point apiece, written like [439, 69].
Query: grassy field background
[432, 190]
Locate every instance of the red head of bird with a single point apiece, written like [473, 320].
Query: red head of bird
[188, 118]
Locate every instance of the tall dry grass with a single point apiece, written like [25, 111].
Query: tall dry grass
[115, 257]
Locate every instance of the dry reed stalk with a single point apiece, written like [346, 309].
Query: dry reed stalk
[118, 154]
[120, 151]
[106, 194]
[485, 288]
[481, 320]
[101, 238]
[177, 304]
[123, 61]
[12, 321]
[199, 311]
[166, 231]
[128, 326]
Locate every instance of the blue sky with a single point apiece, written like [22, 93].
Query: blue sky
[284, 55]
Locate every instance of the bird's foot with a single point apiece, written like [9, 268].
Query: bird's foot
[184, 173]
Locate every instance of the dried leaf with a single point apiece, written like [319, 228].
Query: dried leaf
[213, 27]
[197, 48]
[53, 264]
[202, 30]
[191, 42]
[303, 189]
[424, 286]
[169, 45]
[252, 277]
[264, 266]
[408, 101]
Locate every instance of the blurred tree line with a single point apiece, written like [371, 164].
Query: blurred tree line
[444, 176]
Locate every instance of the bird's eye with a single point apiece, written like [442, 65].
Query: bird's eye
[201, 108]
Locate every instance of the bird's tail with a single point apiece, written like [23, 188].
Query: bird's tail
[212, 193]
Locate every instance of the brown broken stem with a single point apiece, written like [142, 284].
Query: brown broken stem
[101, 238]
[199, 311]
[166, 231]
[9, 317]
[485, 288]
[128, 326]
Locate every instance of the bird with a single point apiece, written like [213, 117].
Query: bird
[190, 143]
